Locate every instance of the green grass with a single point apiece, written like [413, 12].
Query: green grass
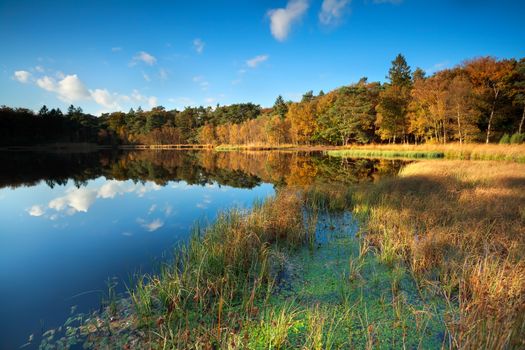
[384, 154]
[511, 153]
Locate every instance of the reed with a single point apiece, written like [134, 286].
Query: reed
[460, 227]
[474, 151]
[216, 286]
[379, 153]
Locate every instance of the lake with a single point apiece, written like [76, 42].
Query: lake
[73, 222]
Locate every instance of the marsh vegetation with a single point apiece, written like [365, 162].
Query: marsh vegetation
[431, 258]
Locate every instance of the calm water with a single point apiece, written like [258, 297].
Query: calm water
[70, 222]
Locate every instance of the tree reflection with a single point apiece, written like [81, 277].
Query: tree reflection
[235, 169]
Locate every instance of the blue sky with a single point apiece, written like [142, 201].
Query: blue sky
[112, 55]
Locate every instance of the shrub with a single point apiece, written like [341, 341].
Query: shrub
[505, 139]
[517, 138]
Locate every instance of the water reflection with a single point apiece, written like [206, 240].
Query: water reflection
[235, 169]
[71, 221]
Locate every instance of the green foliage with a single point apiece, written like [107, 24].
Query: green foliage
[400, 74]
[308, 96]
[348, 114]
[505, 139]
[280, 107]
[517, 138]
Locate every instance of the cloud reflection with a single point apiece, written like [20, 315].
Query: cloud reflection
[36, 210]
[81, 199]
[151, 226]
[76, 199]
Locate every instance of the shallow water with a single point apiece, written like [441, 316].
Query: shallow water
[70, 222]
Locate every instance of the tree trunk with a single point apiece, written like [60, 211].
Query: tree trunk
[496, 92]
[444, 131]
[459, 128]
[521, 122]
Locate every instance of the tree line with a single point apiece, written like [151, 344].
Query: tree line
[480, 100]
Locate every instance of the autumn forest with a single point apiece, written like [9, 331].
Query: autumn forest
[480, 100]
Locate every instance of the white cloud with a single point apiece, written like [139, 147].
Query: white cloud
[198, 45]
[145, 57]
[254, 62]
[104, 98]
[68, 89]
[46, 83]
[39, 69]
[36, 210]
[332, 11]
[71, 88]
[22, 76]
[281, 19]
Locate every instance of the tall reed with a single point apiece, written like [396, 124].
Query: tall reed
[460, 226]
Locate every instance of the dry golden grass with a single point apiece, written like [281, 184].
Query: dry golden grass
[461, 225]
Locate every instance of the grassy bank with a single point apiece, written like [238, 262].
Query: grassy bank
[460, 227]
[288, 274]
[433, 258]
[217, 283]
[515, 153]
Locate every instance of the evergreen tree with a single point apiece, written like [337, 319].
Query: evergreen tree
[280, 107]
[308, 96]
[400, 73]
[393, 104]
[44, 111]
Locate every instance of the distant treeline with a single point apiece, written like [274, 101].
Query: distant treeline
[481, 100]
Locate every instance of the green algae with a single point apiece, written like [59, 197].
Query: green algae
[360, 301]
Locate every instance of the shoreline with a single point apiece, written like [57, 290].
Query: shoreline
[474, 151]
